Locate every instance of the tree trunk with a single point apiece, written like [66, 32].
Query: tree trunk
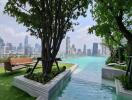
[127, 34]
[129, 48]
[47, 60]
[42, 55]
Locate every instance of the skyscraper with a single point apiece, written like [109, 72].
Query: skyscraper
[84, 50]
[9, 48]
[79, 52]
[67, 45]
[73, 49]
[89, 52]
[20, 49]
[26, 45]
[30, 50]
[19, 46]
[2, 44]
[95, 49]
[37, 49]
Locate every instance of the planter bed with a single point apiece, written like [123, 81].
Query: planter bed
[43, 91]
[110, 72]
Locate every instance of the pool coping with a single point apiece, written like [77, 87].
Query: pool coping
[43, 91]
[120, 90]
[110, 73]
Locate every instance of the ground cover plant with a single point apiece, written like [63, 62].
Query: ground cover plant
[121, 67]
[38, 75]
[8, 92]
[125, 82]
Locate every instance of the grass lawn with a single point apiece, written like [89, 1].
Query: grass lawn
[8, 92]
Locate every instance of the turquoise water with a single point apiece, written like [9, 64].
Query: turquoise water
[86, 82]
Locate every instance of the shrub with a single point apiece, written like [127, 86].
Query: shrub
[2, 60]
[125, 82]
[110, 60]
[120, 67]
[38, 76]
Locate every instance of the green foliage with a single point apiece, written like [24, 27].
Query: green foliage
[35, 16]
[120, 67]
[125, 82]
[5, 59]
[2, 60]
[38, 76]
[106, 13]
[117, 55]
[49, 20]
[110, 60]
[7, 92]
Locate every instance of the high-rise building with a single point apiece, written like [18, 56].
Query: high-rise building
[84, 50]
[14, 50]
[79, 52]
[30, 50]
[37, 49]
[9, 48]
[89, 53]
[67, 45]
[26, 45]
[19, 46]
[2, 44]
[95, 49]
[99, 52]
[20, 49]
[73, 50]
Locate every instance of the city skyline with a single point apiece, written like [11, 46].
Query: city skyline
[17, 32]
[24, 48]
[25, 44]
[71, 50]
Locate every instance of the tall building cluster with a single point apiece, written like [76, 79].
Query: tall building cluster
[94, 51]
[67, 45]
[22, 48]
[70, 50]
[2, 44]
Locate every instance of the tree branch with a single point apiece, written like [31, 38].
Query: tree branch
[122, 27]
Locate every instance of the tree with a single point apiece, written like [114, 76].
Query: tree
[48, 20]
[113, 20]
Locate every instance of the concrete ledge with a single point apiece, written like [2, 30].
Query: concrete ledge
[121, 91]
[110, 73]
[43, 91]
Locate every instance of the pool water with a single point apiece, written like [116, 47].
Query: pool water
[86, 82]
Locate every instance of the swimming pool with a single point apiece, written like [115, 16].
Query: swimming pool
[86, 82]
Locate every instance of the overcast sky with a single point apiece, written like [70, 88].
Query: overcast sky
[13, 32]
